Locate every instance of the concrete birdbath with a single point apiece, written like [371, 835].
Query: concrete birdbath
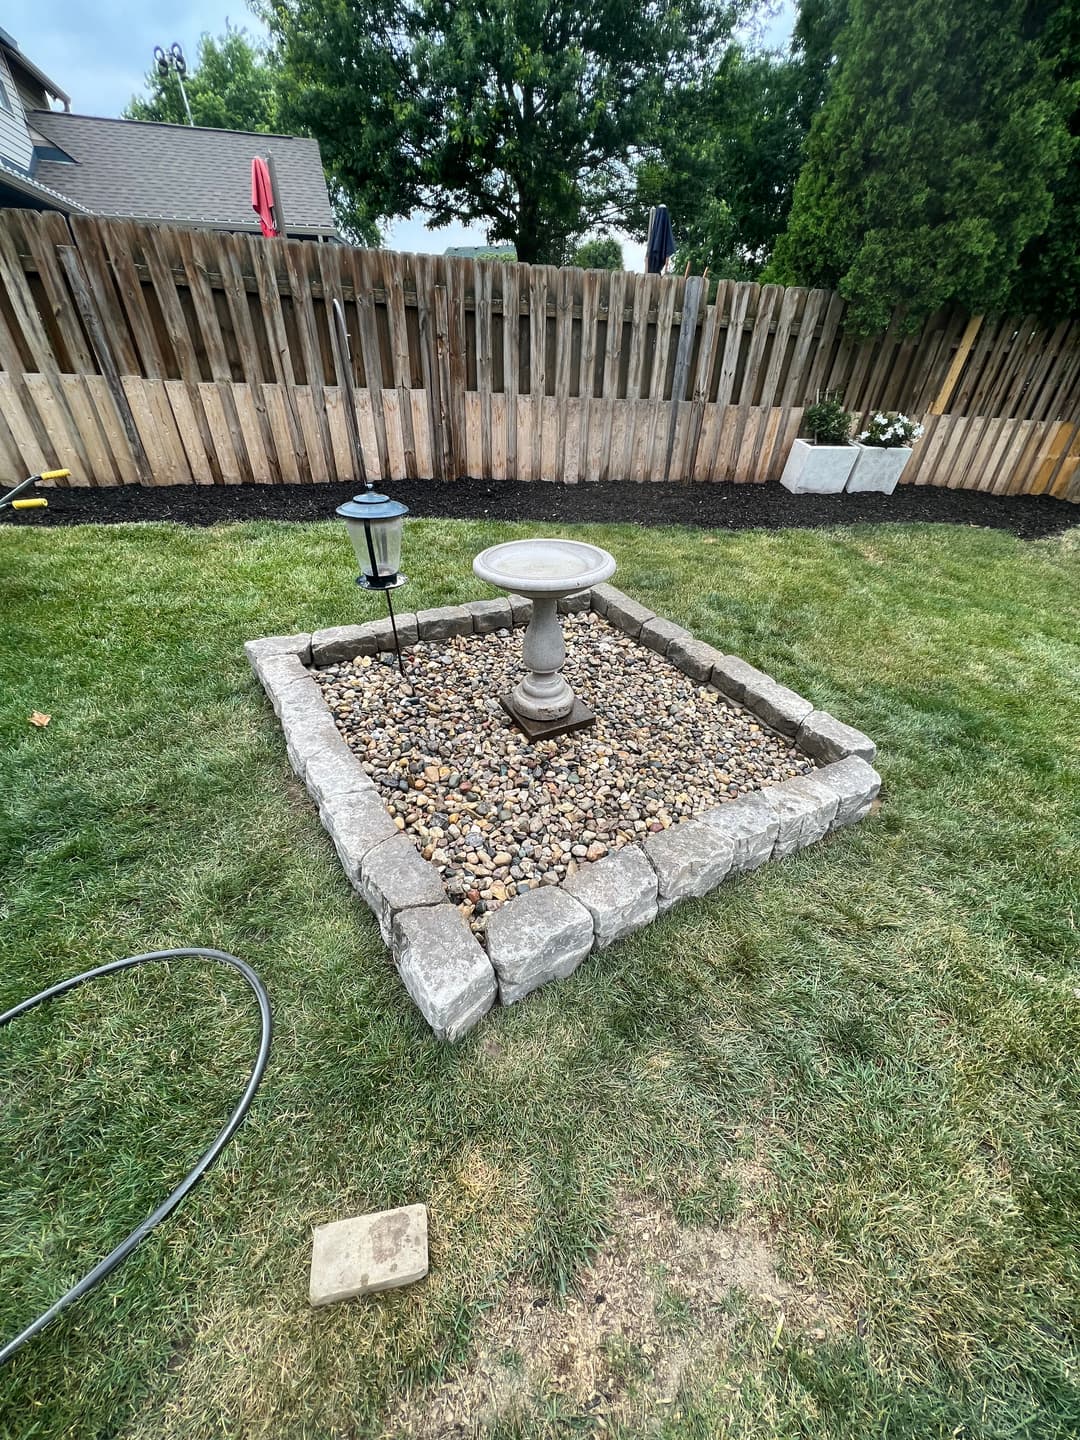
[544, 571]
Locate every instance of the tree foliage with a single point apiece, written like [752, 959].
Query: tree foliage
[603, 253]
[231, 86]
[524, 115]
[726, 162]
[932, 161]
[1049, 280]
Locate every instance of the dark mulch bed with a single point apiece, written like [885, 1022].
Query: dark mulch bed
[728, 507]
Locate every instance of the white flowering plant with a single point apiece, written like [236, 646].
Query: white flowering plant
[887, 429]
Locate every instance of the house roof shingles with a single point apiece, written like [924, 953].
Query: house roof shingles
[142, 170]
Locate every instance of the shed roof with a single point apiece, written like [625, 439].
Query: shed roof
[180, 174]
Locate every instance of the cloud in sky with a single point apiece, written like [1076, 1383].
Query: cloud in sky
[100, 51]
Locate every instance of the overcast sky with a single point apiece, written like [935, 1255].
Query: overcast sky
[100, 50]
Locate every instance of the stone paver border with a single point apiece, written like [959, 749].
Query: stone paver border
[544, 934]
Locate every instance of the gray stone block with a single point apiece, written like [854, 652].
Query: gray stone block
[498, 614]
[368, 1253]
[731, 676]
[619, 893]
[856, 785]
[306, 721]
[332, 769]
[443, 968]
[690, 859]
[394, 876]
[571, 604]
[750, 823]
[658, 634]
[341, 643]
[826, 738]
[693, 657]
[539, 936]
[383, 634]
[356, 821]
[520, 609]
[778, 706]
[278, 673]
[622, 612]
[804, 808]
[441, 623]
[298, 645]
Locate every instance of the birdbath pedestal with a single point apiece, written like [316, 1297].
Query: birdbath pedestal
[544, 571]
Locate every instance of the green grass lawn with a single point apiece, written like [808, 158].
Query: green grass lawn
[861, 1063]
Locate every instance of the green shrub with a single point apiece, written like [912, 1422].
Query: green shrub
[604, 253]
[827, 422]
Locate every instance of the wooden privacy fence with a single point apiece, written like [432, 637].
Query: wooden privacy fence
[144, 354]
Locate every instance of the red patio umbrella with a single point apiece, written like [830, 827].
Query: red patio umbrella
[262, 195]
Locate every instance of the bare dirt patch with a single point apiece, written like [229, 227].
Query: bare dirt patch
[651, 1306]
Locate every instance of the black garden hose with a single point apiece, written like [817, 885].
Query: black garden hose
[123, 1250]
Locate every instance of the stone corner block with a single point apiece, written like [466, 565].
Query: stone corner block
[279, 673]
[695, 658]
[539, 936]
[658, 634]
[341, 643]
[689, 859]
[780, 708]
[368, 1253]
[751, 824]
[298, 645]
[496, 614]
[804, 808]
[731, 676]
[825, 738]
[394, 876]
[571, 604]
[357, 821]
[856, 785]
[444, 968]
[442, 622]
[622, 612]
[619, 892]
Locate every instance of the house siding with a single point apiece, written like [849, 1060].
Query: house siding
[15, 143]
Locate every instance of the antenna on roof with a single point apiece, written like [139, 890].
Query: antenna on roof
[174, 60]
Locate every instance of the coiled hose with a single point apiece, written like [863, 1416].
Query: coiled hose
[123, 1250]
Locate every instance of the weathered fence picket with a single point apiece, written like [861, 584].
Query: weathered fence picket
[140, 354]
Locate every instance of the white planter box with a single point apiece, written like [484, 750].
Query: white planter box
[818, 469]
[877, 468]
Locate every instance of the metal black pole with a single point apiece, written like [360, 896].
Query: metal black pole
[397, 642]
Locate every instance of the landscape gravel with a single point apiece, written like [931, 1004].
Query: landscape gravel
[499, 815]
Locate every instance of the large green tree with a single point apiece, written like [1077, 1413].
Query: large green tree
[726, 161]
[523, 115]
[231, 86]
[932, 161]
[1048, 283]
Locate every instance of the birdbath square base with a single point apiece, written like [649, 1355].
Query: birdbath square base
[579, 718]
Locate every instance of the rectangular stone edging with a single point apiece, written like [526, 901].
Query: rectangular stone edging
[688, 860]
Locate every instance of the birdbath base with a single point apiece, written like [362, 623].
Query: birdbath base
[544, 571]
[579, 718]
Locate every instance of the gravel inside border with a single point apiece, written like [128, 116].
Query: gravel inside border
[497, 814]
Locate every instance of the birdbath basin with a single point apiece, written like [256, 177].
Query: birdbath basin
[544, 571]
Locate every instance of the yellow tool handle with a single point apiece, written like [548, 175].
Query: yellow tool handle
[36, 504]
[54, 475]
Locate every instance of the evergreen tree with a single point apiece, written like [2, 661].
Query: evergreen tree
[932, 161]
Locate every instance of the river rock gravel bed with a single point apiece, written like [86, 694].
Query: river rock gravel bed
[497, 814]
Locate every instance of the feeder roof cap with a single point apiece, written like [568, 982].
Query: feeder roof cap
[371, 506]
